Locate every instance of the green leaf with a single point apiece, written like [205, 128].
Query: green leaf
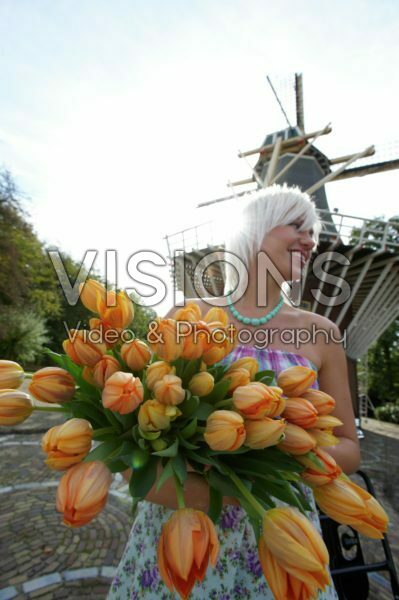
[117, 466]
[179, 467]
[86, 410]
[265, 376]
[215, 504]
[170, 451]
[218, 393]
[203, 411]
[143, 443]
[188, 430]
[143, 479]
[315, 460]
[189, 405]
[257, 527]
[167, 472]
[222, 484]
[149, 435]
[136, 458]
[104, 451]
[186, 443]
[179, 365]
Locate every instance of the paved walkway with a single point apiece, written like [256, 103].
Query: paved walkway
[41, 558]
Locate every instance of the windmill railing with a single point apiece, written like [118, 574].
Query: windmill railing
[337, 227]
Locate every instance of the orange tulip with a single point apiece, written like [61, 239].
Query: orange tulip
[11, 374]
[297, 440]
[156, 371]
[117, 311]
[122, 393]
[213, 355]
[323, 402]
[256, 400]
[222, 339]
[224, 430]
[217, 314]
[104, 333]
[300, 412]
[164, 340]
[201, 384]
[315, 475]
[238, 378]
[196, 340]
[136, 354]
[82, 350]
[349, 504]
[154, 416]
[264, 432]
[191, 312]
[247, 362]
[92, 293]
[169, 390]
[292, 554]
[82, 492]
[102, 371]
[67, 444]
[327, 422]
[188, 542]
[53, 385]
[295, 380]
[15, 407]
[278, 407]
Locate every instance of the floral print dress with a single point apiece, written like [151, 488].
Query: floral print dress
[238, 573]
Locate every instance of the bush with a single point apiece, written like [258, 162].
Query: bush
[389, 412]
[22, 334]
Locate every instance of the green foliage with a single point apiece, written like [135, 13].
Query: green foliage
[389, 412]
[383, 372]
[22, 335]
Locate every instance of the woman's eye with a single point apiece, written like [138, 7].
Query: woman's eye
[296, 225]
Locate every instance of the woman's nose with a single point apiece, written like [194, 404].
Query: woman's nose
[307, 240]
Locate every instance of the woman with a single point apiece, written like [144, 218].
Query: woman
[279, 225]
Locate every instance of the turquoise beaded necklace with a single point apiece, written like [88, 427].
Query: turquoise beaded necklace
[251, 321]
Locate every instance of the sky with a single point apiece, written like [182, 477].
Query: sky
[118, 118]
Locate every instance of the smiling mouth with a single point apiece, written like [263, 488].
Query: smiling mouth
[304, 256]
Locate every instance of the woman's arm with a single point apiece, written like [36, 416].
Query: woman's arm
[333, 379]
[196, 492]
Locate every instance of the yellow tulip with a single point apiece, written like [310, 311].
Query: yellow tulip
[349, 504]
[201, 384]
[225, 430]
[67, 444]
[15, 407]
[256, 400]
[154, 416]
[295, 380]
[191, 312]
[82, 492]
[188, 542]
[122, 393]
[323, 402]
[247, 362]
[327, 422]
[169, 390]
[296, 440]
[53, 385]
[264, 432]
[324, 437]
[136, 354]
[293, 556]
[315, 475]
[217, 314]
[300, 412]
[164, 340]
[92, 293]
[196, 340]
[82, 350]
[156, 371]
[238, 377]
[11, 374]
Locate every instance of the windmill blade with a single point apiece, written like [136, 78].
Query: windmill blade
[385, 158]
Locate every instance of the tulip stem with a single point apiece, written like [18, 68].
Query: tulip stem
[245, 492]
[51, 409]
[102, 430]
[179, 492]
[223, 403]
[28, 375]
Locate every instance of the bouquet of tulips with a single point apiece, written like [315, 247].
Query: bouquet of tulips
[165, 405]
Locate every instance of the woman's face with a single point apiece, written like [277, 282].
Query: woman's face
[289, 248]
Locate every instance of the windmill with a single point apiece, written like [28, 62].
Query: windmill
[369, 247]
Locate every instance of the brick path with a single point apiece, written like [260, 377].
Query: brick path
[41, 558]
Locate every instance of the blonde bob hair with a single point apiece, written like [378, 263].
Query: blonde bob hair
[255, 214]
